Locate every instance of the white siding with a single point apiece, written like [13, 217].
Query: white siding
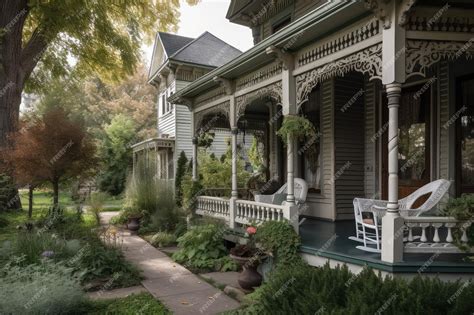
[349, 143]
[370, 172]
[322, 205]
[443, 87]
[183, 137]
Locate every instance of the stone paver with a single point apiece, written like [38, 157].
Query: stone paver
[177, 288]
[224, 278]
[117, 293]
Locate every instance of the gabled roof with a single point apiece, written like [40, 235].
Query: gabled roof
[172, 43]
[207, 50]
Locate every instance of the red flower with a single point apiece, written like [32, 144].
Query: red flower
[251, 230]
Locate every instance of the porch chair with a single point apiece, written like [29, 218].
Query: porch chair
[301, 191]
[368, 230]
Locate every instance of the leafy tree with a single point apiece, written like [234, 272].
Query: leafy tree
[39, 38]
[180, 172]
[116, 154]
[52, 148]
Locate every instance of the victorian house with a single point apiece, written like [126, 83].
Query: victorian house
[176, 62]
[388, 85]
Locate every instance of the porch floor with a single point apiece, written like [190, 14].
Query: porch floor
[330, 240]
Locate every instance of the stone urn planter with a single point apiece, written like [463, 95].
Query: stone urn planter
[249, 278]
[133, 224]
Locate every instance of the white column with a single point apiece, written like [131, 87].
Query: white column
[392, 222]
[195, 151]
[235, 157]
[290, 177]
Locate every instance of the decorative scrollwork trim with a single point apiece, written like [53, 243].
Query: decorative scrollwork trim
[367, 61]
[221, 109]
[421, 54]
[273, 91]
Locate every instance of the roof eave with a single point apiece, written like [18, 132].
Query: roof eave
[206, 82]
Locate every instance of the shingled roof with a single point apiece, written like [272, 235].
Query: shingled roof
[172, 43]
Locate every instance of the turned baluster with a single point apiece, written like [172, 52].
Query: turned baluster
[464, 238]
[449, 237]
[436, 226]
[410, 231]
[423, 232]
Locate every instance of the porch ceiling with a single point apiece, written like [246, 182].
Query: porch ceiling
[315, 25]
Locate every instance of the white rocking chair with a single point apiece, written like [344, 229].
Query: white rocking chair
[368, 230]
[301, 191]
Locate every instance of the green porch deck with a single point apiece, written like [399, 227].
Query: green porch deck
[330, 240]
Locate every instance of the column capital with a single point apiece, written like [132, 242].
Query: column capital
[195, 140]
[234, 130]
[394, 87]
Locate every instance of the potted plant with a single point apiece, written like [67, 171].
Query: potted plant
[249, 257]
[133, 218]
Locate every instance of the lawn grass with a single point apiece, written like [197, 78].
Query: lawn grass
[142, 303]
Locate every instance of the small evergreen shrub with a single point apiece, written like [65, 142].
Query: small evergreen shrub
[180, 173]
[302, 289]
[47, 288]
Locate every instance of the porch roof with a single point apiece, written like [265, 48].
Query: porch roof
[313, 26]
[153, 143]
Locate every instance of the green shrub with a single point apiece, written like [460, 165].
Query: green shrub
[180, 173]
[101, 262]
[280, 239]
[163, 239]
[32, 245]
[301, 289]
[96, 204]
[462, 208]
[201, 247]
[143, 303]
[7, 192]
[46, 288]
[191, 190]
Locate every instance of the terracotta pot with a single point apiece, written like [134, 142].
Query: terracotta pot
[133, 224]
[249, 278]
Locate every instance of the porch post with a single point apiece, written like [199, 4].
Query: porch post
[290, 197]
[234, 132]
[288, 102]
[393, 75]
[195, 151]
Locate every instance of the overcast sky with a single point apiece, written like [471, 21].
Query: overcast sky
[209, 15]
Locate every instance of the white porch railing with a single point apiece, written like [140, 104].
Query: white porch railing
[434, 234]
[244, 211]
[251, 211]
[213, 206]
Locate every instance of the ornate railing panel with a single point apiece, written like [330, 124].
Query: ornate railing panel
[434, 234]
[213, 207]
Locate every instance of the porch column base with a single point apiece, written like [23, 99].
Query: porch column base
[291, 213]
[392, 237]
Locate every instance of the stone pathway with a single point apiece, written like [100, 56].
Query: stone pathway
[116, 293]
[176, 287]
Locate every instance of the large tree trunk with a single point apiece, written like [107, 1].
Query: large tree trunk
[55, 194]
[17, 61]
[30, 200]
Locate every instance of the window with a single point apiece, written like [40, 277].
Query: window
[465, 135]
[163, 104]
[309, 152]
[169, 103]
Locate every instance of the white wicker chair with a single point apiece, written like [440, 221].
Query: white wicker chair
[301, 191]
[368, 229]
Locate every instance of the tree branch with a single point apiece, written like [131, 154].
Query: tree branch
[32, 52]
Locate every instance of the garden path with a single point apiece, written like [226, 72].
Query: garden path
[176, 287]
